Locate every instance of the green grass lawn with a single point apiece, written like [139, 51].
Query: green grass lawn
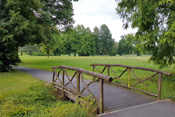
[168, 83]
[24, 96]
[42, 62]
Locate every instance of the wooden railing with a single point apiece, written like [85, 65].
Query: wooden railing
[139, 80]
[60, 78]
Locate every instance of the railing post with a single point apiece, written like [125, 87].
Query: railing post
[159, 87]
[63, 94]
[93, 68]
[93, 71]
[53, 78]
[129, 79]
[108, 72]
[101, 96]
[78, 83]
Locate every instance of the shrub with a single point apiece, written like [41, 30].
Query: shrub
[88, 104]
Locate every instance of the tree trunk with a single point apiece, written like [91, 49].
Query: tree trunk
[48, 53]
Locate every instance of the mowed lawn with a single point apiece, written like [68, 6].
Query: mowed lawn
[42, 62]
[168, 83]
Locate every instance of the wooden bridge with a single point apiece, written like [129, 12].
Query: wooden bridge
[110, 91]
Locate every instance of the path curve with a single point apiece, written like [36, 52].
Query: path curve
[37, 73]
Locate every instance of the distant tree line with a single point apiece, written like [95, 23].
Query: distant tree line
[78, 41]
[81, 41]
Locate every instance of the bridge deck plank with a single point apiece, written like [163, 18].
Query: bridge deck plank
[115, 97]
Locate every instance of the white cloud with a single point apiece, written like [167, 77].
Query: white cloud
[93, 13]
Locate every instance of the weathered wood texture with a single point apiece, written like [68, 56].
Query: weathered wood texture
[131, 67]
[114, 98]
[129, 70]
[109, 97]
[78, 86]
[106, 78]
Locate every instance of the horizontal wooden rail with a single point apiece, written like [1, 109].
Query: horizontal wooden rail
[140, 80]
[101, 76]
[131, 67]
[60, 81]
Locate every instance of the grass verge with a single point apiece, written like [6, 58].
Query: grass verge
[23, 95]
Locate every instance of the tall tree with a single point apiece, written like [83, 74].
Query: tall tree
[18, 26]
[122, 47]
[156, 26]
[115, 49]
[87, 41]
[79, 40]
[97, 40]
[50, 41]
[105, 39]
[26, 21]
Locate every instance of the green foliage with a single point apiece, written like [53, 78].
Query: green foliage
[122, 48]
[14, 29]
[8, 56]
[106, 41]
[60, 49]
[79, 40]
[97, 41]
[86, 41]
[88, 104]
[128, 45]
[155, 22]
[50, 41]
[30, 22]
[59, 11]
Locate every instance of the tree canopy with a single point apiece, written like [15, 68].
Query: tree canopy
[128, 45]
[104, 41]
[26, 22]
[156, 26]
[81, 41]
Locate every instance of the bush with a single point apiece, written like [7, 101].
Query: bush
[88, 104]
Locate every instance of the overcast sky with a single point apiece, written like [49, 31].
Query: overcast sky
[93, 13]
